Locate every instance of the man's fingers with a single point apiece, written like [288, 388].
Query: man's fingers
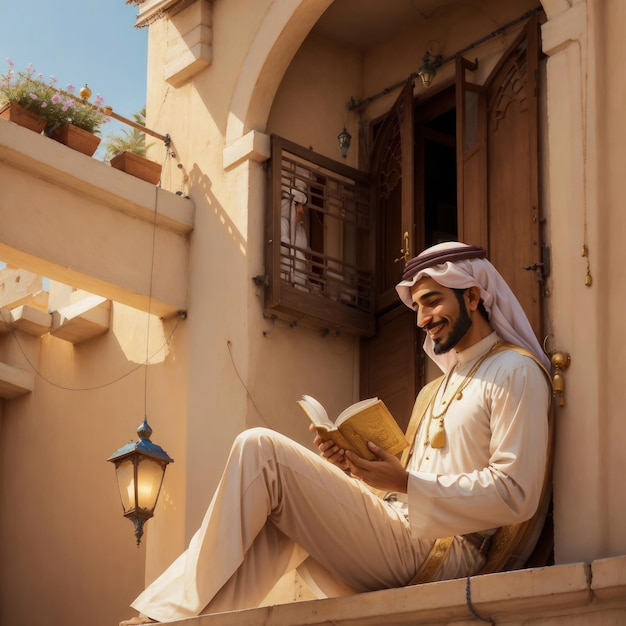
[381, 453]
[358, 465]
[328, 448]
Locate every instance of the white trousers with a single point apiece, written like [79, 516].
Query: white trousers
[278, 503]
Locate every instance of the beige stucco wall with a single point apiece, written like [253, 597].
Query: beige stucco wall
[64, 544]
[61, 513]
[313, 87]
[239, 376]
[612, 229]
[228, 367]
[585, 135]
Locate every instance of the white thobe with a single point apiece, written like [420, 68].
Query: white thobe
[293, 258]
[491, 470]
[279, 503]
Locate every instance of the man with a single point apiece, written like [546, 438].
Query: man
[293, 237]
[477, 463]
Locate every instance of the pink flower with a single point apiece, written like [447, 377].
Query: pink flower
[56, 98]
[44, 105]
[10, 62]
[70, 88]
[67, 104]
[30, 70]
[33, 96]
[39, 76]
[99, 100]
[52, 80]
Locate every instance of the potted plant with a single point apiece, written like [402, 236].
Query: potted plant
[127, 152]
[75, 121]
[24, 98]
[63, 116]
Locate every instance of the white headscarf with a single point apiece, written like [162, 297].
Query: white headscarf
[506, 315]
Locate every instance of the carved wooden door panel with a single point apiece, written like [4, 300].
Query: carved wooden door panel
[392, 165]
[498, 162]
[388, 365]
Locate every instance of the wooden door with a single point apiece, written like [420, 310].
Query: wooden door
[388, 361]
[393, 364]
[498, 193]
[392, 165]
[493, 128]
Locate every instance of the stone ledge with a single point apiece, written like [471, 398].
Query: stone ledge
[32, 321]
[15, 382]
[608, 579]
[541, 594]
[253, 146]
[82, 320]
[54, 162]
[89, 225]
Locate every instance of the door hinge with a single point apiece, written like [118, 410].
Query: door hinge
[542, 270]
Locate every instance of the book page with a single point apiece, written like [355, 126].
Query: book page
[316, 412]
[367, 420]
[353, 409]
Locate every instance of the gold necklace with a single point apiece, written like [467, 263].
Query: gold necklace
[439, 438]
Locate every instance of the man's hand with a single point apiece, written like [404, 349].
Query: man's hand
[330, 450]
[385, 473]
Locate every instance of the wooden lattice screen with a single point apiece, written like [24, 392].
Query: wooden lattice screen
[325, 276]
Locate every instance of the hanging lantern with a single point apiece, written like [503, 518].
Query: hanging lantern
[428, 70]
[344, 138]
[140, 468]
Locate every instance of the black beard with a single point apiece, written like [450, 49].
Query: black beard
[458, 330]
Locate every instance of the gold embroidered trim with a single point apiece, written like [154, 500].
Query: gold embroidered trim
[433, 562]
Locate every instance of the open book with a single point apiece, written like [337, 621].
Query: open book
[367, 420]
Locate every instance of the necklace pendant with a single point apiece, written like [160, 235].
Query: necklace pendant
[438, 440]
[459, 395]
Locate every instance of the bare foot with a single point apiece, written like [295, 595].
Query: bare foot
[140, 619]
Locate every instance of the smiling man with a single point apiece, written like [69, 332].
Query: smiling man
[480, 449]
[477, 462]
[443, 314]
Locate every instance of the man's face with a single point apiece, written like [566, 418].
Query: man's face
[441, 313]
[299, 210]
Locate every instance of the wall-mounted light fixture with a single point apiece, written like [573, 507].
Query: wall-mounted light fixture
[140, 468]
[428, 70]
[344, 138]
[431, 62]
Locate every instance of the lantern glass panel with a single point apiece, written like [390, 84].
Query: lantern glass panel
[149, 478]
[126, 483]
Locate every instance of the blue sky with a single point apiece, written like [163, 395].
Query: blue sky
[78, 42]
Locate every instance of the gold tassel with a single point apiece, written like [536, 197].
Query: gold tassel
[439, 438]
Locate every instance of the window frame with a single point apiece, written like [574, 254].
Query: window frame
[330, 278]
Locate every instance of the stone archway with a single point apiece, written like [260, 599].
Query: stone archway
[285, 26]
[553, 8]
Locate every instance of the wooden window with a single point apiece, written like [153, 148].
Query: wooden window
[320, 267]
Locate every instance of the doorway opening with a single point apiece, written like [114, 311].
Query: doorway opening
[393, 365]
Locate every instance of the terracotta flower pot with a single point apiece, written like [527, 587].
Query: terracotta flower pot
[76, 138]
[15, 112]
[137, 166]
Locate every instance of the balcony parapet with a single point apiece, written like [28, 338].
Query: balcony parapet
[80, 222]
